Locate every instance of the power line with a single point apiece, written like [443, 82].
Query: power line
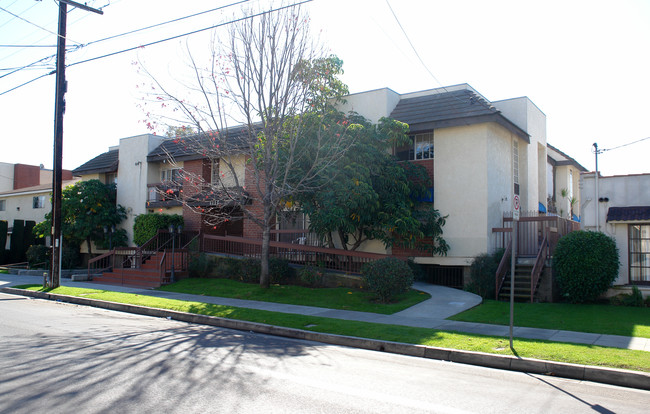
[164, 23]
[623, 145]
[14, 70]
[411, 43]
[159, 41]
[27, 46]
[23, 12]
[34, 24]
[188, 33]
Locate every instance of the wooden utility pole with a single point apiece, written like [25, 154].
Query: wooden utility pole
[59, 110]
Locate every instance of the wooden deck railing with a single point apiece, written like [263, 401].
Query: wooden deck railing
[502, 270]
[537, 268]
[333, 259]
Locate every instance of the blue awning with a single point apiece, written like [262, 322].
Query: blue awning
[542, 208]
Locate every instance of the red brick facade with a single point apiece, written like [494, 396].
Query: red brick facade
[201, 169]
[30, 175]
[256, 209]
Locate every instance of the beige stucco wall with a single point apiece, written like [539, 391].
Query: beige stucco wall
[532, 161]
[133, 176]
[563, 174]
[622, 191]
[372, 104]
[226, 167]
[6, 176]
[20, 207]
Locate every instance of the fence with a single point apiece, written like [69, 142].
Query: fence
[532, 229]
[332, 259]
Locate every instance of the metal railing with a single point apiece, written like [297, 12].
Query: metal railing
[333, 259]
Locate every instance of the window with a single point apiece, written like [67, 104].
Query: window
[38, 202]
[420, 149]
[639, 248]
[214, 172]
[111, 178]
[3, 205]
[173, 175]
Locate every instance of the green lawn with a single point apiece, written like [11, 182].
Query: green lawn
[4, 271]
[603, 319]
[332, 298]
[554, 351]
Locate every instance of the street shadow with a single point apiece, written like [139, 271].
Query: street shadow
[596, 407]
[127, 366]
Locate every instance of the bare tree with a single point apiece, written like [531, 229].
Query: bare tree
[262, 107]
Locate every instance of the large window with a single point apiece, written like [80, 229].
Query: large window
[639, 247]
[420, 149]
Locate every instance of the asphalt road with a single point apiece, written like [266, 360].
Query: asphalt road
[63, 358]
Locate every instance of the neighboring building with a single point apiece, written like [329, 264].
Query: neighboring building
[624, 214]
[16, 176]
[28, 203]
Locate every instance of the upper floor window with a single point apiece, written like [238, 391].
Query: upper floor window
[38, 202]
[420, 149]
[3, 205]
[172, 175]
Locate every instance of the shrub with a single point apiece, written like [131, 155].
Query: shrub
[147, 225]
[629, 299]
[483, 273]
[586, 264]
[312, 275]
[280, 271]
[71, 259]
[250, 271]
[200, 265]
[38, 254]
[387, 278]
[227, 267]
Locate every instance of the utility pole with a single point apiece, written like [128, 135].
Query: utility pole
[596, 185]
[59, 110]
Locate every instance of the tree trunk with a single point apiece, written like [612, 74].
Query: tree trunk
[265, 280]
[90, 249]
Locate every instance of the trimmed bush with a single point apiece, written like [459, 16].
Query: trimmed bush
[147, 225]
[586, 264]
[387, 278]
[279, 271]
[250, 271]
[17, 242]
[483, 273]
[311, 276]
[200, 265]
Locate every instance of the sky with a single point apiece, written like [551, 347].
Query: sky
[585, 64]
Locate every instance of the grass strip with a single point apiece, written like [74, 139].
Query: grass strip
[332, 298]
[592, 318]
[527, 348]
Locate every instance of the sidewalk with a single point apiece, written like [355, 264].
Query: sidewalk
[431, 313]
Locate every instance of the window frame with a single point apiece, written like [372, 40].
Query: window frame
[3, 205]
[638, 274]
[38, 202]
[421, 148]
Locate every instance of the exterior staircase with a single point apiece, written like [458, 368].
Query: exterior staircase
[149, 266]
[522, 286]
[149, 275]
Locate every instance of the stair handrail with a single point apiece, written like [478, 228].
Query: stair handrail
[502, 269]
[94, 260]
[542, 255]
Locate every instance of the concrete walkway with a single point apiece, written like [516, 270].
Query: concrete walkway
[432, 313]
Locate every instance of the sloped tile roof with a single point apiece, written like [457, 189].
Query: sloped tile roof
[636, 213]
[194, 147]
[447, 109]
[103, 163]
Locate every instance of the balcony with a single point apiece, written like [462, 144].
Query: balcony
[163, 195]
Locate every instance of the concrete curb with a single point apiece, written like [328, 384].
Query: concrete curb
[631, 379]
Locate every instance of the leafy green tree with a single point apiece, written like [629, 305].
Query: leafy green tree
[373, 196]
[86, 208]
